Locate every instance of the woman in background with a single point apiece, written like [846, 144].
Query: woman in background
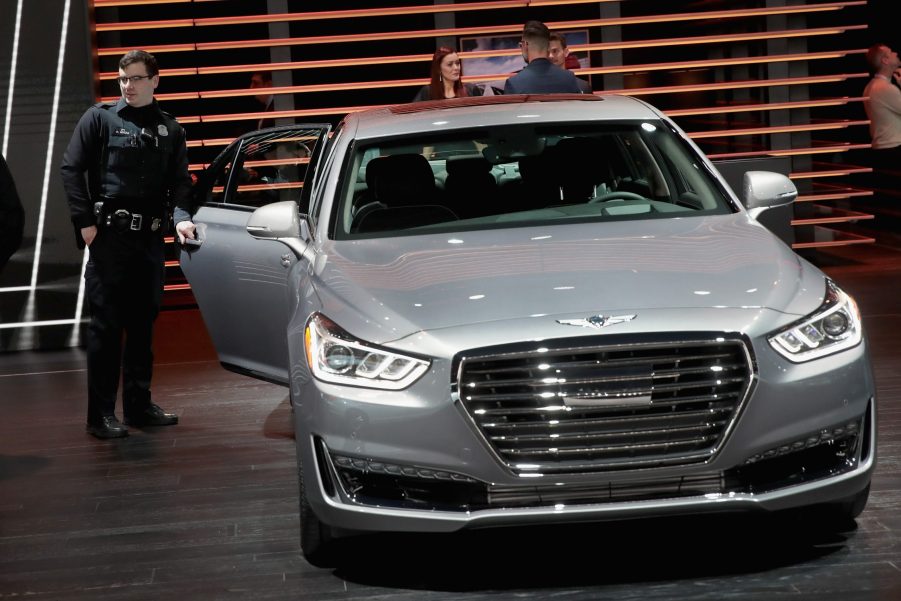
[446, 78]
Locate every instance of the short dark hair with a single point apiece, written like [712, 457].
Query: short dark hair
[139, 56]
[537, 34]
[558, 37]
[874, 56]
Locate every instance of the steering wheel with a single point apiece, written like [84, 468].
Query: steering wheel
[616, 195]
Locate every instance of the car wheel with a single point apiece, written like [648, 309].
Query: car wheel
[316, 540]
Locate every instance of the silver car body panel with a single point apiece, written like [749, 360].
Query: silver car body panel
[440, 281]
[254, 282]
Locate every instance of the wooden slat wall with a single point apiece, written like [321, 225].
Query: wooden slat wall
[746, 79]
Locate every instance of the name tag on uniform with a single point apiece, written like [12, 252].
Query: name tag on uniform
[121, 131]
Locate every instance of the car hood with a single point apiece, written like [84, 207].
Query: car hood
[388, 288]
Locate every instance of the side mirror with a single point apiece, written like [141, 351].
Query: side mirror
[762, 190]
[281, 222]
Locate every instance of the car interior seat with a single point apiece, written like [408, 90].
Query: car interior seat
[471, 188]
[584, 165]
[404, 195]
[538, 185]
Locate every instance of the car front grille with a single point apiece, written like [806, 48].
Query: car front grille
[572, 408]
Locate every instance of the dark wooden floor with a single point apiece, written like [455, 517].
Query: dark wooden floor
[208, 509]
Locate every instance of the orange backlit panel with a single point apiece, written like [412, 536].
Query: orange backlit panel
[721, 74]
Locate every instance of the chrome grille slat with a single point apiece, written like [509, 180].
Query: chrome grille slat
[644, 360]
[559, 466]
[610, 449]
[562, 439]
[533, 396]
[525, 411]
[657, 387]
[559, 438]
[579, 409]
[532, 382]
[607, 422]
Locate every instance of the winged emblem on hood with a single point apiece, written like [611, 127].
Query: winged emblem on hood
[597, 321]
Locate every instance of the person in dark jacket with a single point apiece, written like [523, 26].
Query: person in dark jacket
[12, 215]
[558, 53]
[540, 75]
[126, 162]
[446, 78]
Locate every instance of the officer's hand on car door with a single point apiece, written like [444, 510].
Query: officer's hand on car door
[187, 233]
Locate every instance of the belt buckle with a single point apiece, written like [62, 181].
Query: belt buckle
[136, 220]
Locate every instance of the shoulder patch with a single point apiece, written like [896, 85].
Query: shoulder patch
[172, 124]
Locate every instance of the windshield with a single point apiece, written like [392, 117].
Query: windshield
[522, 176]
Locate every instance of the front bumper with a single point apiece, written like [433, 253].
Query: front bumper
[355, 496]
[412, 461]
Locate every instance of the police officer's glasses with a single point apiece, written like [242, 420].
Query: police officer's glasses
[133, 79]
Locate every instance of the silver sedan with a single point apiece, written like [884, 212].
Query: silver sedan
[526, 310]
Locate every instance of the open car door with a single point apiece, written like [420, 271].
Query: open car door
[240, 283]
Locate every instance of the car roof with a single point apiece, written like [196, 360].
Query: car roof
[482, 111]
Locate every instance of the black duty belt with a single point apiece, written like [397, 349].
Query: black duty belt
[126, 221]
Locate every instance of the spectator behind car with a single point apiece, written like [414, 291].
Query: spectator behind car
[540, 75]
[882, 102]
[446, 78]
[559, 54]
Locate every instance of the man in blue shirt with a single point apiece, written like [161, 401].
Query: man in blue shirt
[540, 76]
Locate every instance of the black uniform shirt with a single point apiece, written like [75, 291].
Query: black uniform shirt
[133, 157]
[12, 215]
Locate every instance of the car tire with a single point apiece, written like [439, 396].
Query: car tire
[316, 540]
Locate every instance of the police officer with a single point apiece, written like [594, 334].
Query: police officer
[126, 162]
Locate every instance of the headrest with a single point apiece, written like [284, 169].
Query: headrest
[583, 159]
[533, 167]
[401, 180]
[583, 149]
[467, 165]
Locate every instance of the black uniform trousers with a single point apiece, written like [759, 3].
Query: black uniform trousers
[124, 283]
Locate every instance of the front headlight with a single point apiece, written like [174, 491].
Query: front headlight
[336, 356]
[834, 327]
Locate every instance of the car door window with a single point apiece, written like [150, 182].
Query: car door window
[263, 167]
[311, 199]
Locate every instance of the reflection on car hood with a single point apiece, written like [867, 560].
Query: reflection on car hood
[397, 286]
